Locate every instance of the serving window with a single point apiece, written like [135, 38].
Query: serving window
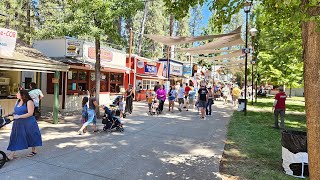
[116, 81]
[148, 83]
[77, 82]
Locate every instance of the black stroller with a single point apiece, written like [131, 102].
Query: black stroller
[3, 157]
[115, 107]
[110, 121]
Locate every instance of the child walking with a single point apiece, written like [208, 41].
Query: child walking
[150, 97]
[91, 115]
[84, 113]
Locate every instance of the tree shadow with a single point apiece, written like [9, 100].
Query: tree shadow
[253, 147]
[289, 107]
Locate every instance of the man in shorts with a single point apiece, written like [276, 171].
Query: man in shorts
[186, 94]
[202, 99]
[181, 97]
[236, 92]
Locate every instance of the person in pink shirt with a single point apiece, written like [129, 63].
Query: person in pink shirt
[161, 96]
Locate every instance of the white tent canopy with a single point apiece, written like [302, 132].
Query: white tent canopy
[210, 51]
[168, 40]
[236, 53]
[230, 62]
[222, 42]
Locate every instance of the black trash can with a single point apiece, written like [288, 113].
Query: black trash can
[241, 106]
[294, 153]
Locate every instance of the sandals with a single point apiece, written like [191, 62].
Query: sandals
[10, 158]
[32, 154]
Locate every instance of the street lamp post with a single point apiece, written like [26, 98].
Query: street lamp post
[188, 55]
[253, 32]
[247, 7]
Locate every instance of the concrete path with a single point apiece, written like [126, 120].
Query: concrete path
[170, 146]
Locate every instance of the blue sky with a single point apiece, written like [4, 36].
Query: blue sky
[206, 13]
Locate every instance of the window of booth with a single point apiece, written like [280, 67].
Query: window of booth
[77, 81]
[50, 85]
[103, 81]
[148, 83]
[116, 82]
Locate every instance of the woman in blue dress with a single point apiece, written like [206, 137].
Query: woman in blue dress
[25, 132]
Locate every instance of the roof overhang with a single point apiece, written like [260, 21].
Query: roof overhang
[24, 63]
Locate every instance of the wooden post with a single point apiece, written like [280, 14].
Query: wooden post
[130, 49]
[56, 97]
[168, 64]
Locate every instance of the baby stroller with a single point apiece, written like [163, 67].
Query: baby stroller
[115, 107]
[155, 108]
[110, 121]
[3, 157]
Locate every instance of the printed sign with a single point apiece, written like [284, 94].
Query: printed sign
[176, 70]
[8, 39]
[105, 55]
[150, 69]
[74, 47]
[187, 70]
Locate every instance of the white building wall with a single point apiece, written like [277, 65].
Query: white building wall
[295, 92]
[51, 48]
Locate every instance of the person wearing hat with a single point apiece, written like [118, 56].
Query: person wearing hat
[279, 107]
[210, 101]
[202, 99]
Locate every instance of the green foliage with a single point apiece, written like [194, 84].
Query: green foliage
[279, 48]
[157, 22]
[180, 8]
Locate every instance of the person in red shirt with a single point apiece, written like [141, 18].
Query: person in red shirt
[186, 94]
[279, 107]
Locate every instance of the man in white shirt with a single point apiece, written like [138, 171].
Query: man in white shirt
[36, 95]
[181, 93]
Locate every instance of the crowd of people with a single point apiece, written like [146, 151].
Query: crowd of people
[26, 133]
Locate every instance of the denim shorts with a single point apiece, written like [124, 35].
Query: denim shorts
[92, 118]
[202, 104]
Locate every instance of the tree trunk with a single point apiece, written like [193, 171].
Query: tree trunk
[28, 36]
[145, 12]
[290, 91]
[8, 19]
[311, 57]
[97, 70]
[171, 29]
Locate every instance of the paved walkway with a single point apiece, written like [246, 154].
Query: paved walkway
[170, 146]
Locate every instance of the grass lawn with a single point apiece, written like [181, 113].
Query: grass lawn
[253, 147]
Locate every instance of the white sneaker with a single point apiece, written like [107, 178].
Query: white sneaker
[80, 132]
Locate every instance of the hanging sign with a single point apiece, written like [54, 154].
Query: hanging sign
[8, 40]
[74, 47]
[187, 70]
[150, 69]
